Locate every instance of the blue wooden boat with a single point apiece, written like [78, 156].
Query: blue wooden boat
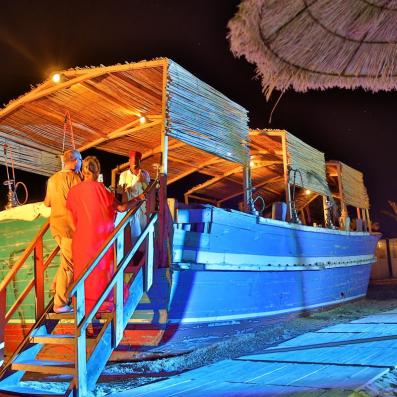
[223, 261]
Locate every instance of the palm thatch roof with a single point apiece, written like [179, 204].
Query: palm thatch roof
[124, 107]
[318, 44]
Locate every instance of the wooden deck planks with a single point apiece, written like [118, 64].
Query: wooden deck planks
[334, 361]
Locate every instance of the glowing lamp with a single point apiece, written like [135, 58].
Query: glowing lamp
[56, 77]
[142, 120]
[307, 192]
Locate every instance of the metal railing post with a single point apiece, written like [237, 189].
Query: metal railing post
[81, 344]
[148, 274]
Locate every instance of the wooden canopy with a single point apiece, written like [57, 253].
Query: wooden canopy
[124, 107]
[349, 185]
[272, 154]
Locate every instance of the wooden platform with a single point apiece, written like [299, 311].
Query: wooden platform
[334, 361]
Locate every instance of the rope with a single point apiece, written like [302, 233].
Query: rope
[67, 122]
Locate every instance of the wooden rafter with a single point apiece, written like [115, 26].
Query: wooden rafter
[195, 169]
[112, 99]
[256, 186]
[120, 132]
[212, 181]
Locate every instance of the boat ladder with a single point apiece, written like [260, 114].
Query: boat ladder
[94, 335]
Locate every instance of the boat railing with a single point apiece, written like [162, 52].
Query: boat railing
[40, 264]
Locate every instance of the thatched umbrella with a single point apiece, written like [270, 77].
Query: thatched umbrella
[318, 44]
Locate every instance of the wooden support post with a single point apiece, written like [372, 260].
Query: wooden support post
[286, 176]
[358, 213]
[163, 206]
[163, 221]
[325, 212]
[248, 202]
[368, 220]
[344, 213]
[39, 277]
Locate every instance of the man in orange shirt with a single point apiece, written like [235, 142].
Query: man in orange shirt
[58, 187]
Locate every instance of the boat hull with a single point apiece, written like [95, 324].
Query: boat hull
[231, 272]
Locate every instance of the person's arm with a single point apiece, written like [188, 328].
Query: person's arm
[121, 184]
[122, 207]
[70, 220]
[144, 178]
[47, 200]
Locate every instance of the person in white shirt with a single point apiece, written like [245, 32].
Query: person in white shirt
[132, 183]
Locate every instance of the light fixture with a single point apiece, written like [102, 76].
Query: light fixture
[142, 120]
[307, 192]
[56, 78]
[252, 163]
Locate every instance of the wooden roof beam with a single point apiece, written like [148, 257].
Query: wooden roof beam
[212, 181]
[149, 153]
[110, 98]
[119, 133]
[258, 185]
[194, 169]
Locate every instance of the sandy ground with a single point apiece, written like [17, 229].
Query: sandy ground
[123, 376]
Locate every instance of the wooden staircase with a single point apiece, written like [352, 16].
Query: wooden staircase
[95, 334]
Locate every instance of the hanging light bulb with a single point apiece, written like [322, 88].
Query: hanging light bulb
[56, 78]
[307, 192]
[142, 120]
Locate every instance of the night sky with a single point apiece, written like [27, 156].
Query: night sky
[37, 37]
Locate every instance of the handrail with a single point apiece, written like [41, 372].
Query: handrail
[120, 268]
[25, 255]
[102, 251]
[39, 265]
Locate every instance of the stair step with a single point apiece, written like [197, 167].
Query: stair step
[58, 339]
[45, 367]
[60, 316]
[15, 390]
[70, 316]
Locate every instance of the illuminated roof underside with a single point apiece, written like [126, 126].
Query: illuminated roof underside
[106, 106]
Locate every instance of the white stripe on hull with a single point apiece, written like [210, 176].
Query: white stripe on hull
[248, 316]
[229, 261]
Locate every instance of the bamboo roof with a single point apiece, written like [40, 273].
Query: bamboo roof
[123, 107]
[272, 153]
[349, 184]
[318, 44]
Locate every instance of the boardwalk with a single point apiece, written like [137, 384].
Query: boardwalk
[335, 361]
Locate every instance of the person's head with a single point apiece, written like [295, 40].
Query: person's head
[72, 160]
[135, 160]
[91, 168]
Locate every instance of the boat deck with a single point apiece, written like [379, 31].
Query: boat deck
[334, 361]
